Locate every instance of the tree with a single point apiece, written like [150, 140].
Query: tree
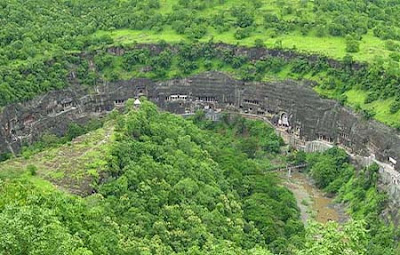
[248, 73]
[320, 30]
[327, 166]
[259, 43]
[368, 113]
[34, 230]
[331, 239]
[352, 45]
[270, 20]
[395, 106]
[242, 33]
[244, 18]
[196, 31]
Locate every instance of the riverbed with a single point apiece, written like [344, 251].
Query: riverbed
[313, 203]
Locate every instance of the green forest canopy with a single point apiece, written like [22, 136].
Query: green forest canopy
[43, 42]
[169, 188]
[180, 187]
[38, 29]
[175, 186]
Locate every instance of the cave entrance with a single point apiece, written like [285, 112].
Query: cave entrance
[119, 102]
[283, 120]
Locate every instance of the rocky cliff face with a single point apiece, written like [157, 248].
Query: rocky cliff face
[292, 105]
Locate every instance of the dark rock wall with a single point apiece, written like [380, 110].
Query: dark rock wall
[291, 104]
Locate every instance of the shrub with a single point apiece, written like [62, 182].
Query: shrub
[352, 45]
[195, 31]
[208, 64]
[391, 45]
[368, 114]
[32, 169]
[395, 106]
[320, 31]
[278, 44]
[342, 99]
[242, 33]
[395, 56]
[371, 97]
[5, 156]
[259, 43]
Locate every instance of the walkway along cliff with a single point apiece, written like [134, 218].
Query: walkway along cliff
[291, 106]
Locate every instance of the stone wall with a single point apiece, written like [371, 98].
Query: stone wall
[316, 146]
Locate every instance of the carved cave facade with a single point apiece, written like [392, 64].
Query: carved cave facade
[291, 106]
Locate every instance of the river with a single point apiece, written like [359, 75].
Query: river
[313, 203]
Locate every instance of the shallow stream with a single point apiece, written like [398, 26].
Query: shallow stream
[312, 202]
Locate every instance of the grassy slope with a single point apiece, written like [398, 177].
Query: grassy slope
[381, 107]
[334, 47]
[71, 167]
[330, 46]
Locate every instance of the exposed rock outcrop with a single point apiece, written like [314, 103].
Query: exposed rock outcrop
[292, 106]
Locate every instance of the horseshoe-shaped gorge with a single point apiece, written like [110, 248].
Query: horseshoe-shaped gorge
[200, 127]
[307, 121]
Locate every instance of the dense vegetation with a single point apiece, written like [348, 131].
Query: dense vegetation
[369, 89]
[333, 173]
[171, 189]
[39, 28]
[173, 186]
[42, 41]
[165, 185]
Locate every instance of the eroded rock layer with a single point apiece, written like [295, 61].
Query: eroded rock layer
[292, 105]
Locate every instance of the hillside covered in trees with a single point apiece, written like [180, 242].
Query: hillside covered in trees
[143, 181]
[168, 188]
[44, 43]
[175, 186]
[38, 28]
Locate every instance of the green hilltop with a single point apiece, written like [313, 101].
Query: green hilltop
[364, 28]
[43, 41]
